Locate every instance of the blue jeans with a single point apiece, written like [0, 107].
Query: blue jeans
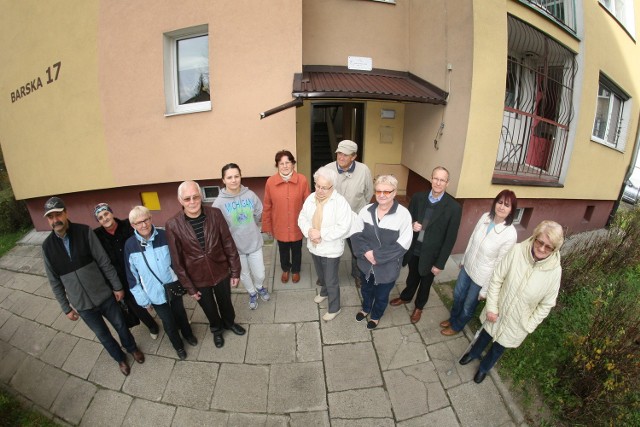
[492, 355]
[465, 301]
[173, 318]
[375, 296]
[94, 320]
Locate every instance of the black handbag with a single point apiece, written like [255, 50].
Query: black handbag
[172, 290]
[130, 317]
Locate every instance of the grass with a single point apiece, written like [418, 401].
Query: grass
[13, 414]
[9, 240]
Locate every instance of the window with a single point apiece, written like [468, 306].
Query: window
[610, 115]
[622, 10]
[561, 11]
[186, 70]
[538, 107]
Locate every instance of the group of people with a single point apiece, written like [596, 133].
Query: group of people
[208, 250]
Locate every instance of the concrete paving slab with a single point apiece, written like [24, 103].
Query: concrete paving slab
[263, 314]
[12, 263]
[107, 409]
[364, 422]
[27, 282]
[62, 323]
[82, 358]
[344, 328]
[356, 404]
[445, 356]
[277, 421]
[106, 373]
[415, 391]
[398, 347]
[293, 307]
[39, 381]
[275, 343]
[143, 413]
[444, 417]
[351, 366]
[306, 419]
[80, 329]
[5, 277]
[243, 420]
[478, 404]
[4, 315]
[10, 299]
[49, 313]
[191, 384]
[73, 399]
[308, 342]
[188, 417]
[34, 305]
[21, 302]
[45, 290]
[429, 324]
[11, 358]
[10, 326]
[148, 380]
[296, 387]
[233, 351]
[241, 388]
[33, 338]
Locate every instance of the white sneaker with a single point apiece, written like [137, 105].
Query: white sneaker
[318, 299]
[330, 316]
[153, 336]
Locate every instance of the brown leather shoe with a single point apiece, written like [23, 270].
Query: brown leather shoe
[295, 278]
[445, 323]
[138, 356]
[397, 301]
[285, 277]
[416, 315]
[124, 368]
[448, 332]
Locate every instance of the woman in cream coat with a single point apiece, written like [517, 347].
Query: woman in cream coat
[325, 220]
[523, 289]
[492, 238]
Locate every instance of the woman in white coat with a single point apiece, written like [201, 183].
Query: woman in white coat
[523, 289]
[325, 220]
[492, 238]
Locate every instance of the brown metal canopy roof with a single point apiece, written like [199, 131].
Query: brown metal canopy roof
[322, 81]
[318, 81]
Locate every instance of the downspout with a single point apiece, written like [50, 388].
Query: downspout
[632, 165]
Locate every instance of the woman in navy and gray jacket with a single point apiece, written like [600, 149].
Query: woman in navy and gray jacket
[380, 246]
[148, 266]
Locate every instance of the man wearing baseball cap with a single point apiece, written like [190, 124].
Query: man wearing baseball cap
[77, 265]
[355, 184]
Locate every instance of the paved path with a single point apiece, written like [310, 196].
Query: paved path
[290, 369]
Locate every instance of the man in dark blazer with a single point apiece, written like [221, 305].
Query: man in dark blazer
[436, 219]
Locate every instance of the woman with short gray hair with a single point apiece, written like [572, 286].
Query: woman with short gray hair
[325, 220]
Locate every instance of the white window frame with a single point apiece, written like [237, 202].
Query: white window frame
[173, 106]
[623, 12]
[517, 216]
[623, 119]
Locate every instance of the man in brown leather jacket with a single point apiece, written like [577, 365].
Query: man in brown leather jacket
[205, 259]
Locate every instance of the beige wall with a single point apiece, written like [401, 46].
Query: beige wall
[333, 30]
[102, 124]
[594, 171]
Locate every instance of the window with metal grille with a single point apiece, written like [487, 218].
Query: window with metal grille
[611, 115]
[561, 11]
[538, 106]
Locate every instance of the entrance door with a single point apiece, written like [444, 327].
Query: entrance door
[332, 122]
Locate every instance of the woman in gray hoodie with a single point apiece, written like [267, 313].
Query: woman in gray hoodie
[243, 210]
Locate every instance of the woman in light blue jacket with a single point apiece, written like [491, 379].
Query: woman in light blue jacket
[148, 266]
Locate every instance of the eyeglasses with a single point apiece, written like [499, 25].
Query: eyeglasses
[384, 192]
[323, 188]
[439, 180]
[544, 246]
[193, 198]
[141, 222]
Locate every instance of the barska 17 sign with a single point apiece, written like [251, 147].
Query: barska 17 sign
[52, 72]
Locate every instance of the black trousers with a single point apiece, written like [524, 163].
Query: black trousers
[173, 318]
[417, 284]
[216, 304]
[290, 255]
[140, 312]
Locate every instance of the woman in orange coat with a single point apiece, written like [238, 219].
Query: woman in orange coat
[284, 194]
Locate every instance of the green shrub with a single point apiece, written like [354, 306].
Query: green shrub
[14, 215]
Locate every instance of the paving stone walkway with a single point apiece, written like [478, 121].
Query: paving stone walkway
[290, 369]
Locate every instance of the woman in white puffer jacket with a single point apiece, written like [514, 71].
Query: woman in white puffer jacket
[523, 289]
[492, 238]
